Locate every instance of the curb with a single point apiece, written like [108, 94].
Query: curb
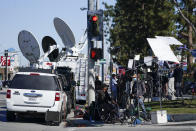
[182, 117]
[79, 122]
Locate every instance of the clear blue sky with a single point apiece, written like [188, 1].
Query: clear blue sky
[37, 17]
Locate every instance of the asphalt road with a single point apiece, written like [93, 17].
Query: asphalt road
[35, 124]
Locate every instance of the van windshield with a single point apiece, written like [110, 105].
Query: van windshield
[34, 82]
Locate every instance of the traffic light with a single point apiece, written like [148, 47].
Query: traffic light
[95, 25]
[96, 53]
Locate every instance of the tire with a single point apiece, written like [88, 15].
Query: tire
[74, 99]
[63, 112]
[69, 104]
[60, 119]
[10, 116]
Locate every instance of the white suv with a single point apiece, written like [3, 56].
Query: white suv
[36, 93]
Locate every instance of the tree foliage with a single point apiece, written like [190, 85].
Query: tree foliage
[130, 22]
[186, 23]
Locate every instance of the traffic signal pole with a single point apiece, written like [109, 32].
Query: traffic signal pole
[6, 64]
[91, 63]
[102, 66]
[102, 44]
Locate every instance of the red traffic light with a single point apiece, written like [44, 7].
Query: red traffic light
[94, 18]
[96, 53]
[93, 54]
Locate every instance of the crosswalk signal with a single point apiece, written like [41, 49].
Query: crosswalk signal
[96, 53]
[95, 24]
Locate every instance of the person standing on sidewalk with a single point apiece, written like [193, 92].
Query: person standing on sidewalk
[114, 88]
[138, 91]
[98, 83]
[178, 75]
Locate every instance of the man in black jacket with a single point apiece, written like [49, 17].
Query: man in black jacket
[98, 83]
[178, 75]
[105, 102]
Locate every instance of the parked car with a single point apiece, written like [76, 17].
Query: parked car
[38, 94]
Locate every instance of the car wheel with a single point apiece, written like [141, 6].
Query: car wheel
[10, 116]
[60, 117]
[74, 100]
[69, 104]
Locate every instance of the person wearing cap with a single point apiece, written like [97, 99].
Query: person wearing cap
[114, 87]
[178, 75]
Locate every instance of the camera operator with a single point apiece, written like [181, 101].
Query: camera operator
[155, 77]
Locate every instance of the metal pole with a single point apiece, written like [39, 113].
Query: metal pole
[102, 65]
[160, 89]
[97, 4]
[6, 71]
[111, 68]
[137, 97]
[91, 63]
[91, 4]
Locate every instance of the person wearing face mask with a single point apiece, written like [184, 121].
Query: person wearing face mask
[138, 90]
[134, 79]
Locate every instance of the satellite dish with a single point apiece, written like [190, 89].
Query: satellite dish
[64, 32]
[29, 46]
[48, 41]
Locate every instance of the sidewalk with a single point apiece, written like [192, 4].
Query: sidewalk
[182, 123]
[79, 122]
[176, 120]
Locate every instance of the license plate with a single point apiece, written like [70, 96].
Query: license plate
[32, 99]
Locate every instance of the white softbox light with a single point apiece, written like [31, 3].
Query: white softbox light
[169, 40]
[162, 50]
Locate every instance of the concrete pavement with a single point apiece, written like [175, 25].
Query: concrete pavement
[178, 119]
[79, 122]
